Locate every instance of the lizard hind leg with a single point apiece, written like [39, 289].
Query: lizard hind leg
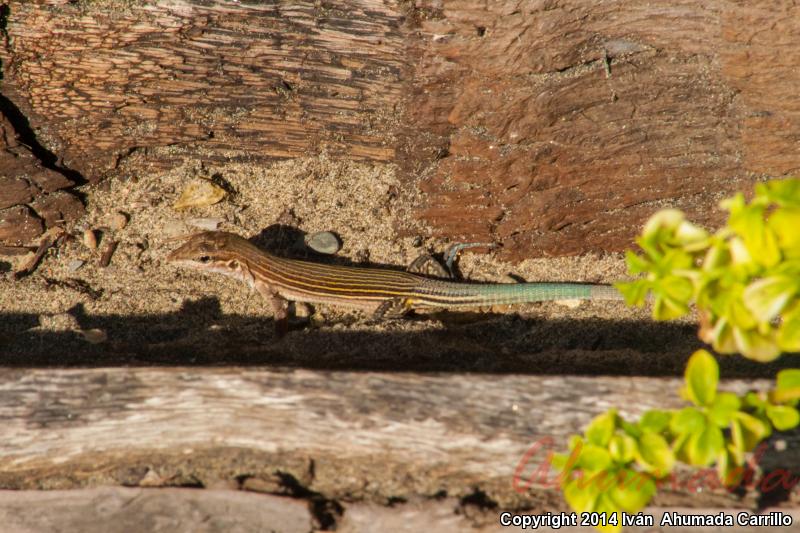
[452, 252]
[427, 265]
[392, 308]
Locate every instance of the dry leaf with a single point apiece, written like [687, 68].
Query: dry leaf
[200, 193]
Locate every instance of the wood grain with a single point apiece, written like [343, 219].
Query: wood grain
[551, 128]
[365, 435]
[242, 81]
[120, 510]
[171, 510]
[566, 124]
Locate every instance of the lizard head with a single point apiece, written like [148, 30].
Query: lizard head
[215, 251]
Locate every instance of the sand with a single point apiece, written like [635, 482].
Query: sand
[142, 310]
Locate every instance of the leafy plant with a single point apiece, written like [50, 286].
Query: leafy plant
[616, 465]
[744, 280]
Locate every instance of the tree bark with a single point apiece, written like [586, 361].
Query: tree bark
[33, 198]
[552, 127]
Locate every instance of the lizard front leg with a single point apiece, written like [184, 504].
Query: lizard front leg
[280, 307]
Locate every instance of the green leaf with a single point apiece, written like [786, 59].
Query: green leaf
[677, 288]
[702, 376]
[734, 203]
[605, 505]
[789, 331]
[634, 292]
[787, 386]
[783, 417]
[634, 491]
[636, 263]
[655, 455]
[601, 428]
[740, 254]
[679, 446]
[581, 495]
[730, 472]
[767, 297]
[760, 241]
[740, 317]
[755, 345]
[723, 408]
[559, 461]
[663, 221]
[703, 447]
[785, 192]
[784, 222]
[655, 420]
[756, 401]
[622, 448]
[687, 421]
[753, 430]
[721, 337]
[691, 237]
[666, 308]
[632, 430]
[717, 256]
[594, 458]
[737, 447]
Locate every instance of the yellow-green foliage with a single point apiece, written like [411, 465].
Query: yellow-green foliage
[616, 465]
[745, 282]
[744, 279]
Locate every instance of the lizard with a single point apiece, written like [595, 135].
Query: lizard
[385, 292]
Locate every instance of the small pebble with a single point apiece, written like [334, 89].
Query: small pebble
[74, 265]
[324, 242]
[90, 239]
[118, 220]
[93, 336]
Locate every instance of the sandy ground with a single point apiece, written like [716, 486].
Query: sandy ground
[142, 310]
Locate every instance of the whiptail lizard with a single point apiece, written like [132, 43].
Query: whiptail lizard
[385, 292]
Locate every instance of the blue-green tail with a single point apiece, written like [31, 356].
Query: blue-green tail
[448, 293]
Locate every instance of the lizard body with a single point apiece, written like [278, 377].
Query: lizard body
[383, 291]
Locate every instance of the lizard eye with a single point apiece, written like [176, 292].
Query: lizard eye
[205, 259]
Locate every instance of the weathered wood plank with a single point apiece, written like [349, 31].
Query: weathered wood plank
[118, 509]
[245, 81]
[121, 509]
[551, 128]
[344, 435]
